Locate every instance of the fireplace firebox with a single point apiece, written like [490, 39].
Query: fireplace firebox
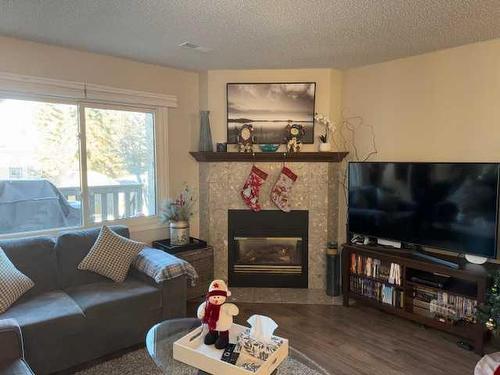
[268, 248]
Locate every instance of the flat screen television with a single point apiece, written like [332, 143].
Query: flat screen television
[450, 206]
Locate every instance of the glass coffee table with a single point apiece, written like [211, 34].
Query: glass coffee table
[160, 340]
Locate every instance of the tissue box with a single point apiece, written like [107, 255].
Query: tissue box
[208, 359]
[256, 348]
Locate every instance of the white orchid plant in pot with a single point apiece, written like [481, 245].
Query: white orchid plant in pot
[177, 212]
[329, 130]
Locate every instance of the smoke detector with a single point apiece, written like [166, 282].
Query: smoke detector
[195, 47]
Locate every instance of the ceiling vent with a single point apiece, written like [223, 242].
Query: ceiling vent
[195, 47]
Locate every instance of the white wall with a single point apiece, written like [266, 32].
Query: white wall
[213, 91]
[441, 106]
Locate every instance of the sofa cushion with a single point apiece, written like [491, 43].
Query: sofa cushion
[51, 311]
[13, 283]
[35, 257]
[100, 298]
[118, 315]
[111, 255]
[71, 248]
[54, 331]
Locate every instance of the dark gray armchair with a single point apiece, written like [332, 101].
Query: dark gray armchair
[11, 349]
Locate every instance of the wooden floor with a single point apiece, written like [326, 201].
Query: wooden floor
[362, 340]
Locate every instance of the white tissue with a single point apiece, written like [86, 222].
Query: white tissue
[262, 329]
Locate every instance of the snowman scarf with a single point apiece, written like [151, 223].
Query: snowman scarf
[212, 311]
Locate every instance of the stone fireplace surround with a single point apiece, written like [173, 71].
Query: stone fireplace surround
[316, 190]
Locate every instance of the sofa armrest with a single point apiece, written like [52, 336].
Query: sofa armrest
[174, 298]
[173, 294]
[11, 341]
[161, 266]
[168, 273]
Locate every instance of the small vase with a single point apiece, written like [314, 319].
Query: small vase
[205, 133]
[179, 233]
[325, 147]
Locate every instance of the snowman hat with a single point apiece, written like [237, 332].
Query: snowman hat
[218, 288]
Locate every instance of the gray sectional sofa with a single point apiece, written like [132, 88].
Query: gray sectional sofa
[72, 316]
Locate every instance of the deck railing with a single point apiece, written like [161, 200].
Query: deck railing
[109, 202]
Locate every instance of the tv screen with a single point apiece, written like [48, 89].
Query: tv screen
[451, 206]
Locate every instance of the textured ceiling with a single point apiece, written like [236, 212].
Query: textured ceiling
[254, 33]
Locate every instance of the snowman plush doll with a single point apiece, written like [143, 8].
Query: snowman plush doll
[217, 314]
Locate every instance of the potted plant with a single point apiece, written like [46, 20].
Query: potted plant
[324, 139]
[177, 212]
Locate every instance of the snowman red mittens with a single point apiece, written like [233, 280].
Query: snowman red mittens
[251, 189]
[281, 189]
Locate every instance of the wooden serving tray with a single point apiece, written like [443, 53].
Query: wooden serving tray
[208, 359]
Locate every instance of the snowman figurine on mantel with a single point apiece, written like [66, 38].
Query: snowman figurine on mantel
[217, 314]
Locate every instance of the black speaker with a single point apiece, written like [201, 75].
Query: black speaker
[332, 272]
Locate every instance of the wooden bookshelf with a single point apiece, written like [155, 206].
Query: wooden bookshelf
[470, 281]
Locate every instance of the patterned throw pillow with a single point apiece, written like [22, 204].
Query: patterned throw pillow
[111, 255]
[13, 283]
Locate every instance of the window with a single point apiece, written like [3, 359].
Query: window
[120, 164]
[70, 165]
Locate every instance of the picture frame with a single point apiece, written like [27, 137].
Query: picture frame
[269, 107]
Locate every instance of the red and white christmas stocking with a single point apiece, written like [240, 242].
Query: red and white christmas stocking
[251, 189]
[281, 189]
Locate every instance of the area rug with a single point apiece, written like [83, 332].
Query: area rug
[139, 363]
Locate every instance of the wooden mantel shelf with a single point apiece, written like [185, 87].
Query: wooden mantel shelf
[307, 157]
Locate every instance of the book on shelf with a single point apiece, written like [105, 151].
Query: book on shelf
[424, 294]
[421, 304]
[464, 307]
[443, 305]
[377, 290]
[375, 268]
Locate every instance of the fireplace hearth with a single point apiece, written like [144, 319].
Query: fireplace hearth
[268, 248]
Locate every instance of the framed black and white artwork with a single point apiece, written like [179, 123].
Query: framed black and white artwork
[269, 108]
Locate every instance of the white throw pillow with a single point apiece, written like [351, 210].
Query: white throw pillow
[111, 255]
[13, 283]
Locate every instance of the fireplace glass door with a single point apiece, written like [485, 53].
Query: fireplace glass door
[268, 255]
[268, 249]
